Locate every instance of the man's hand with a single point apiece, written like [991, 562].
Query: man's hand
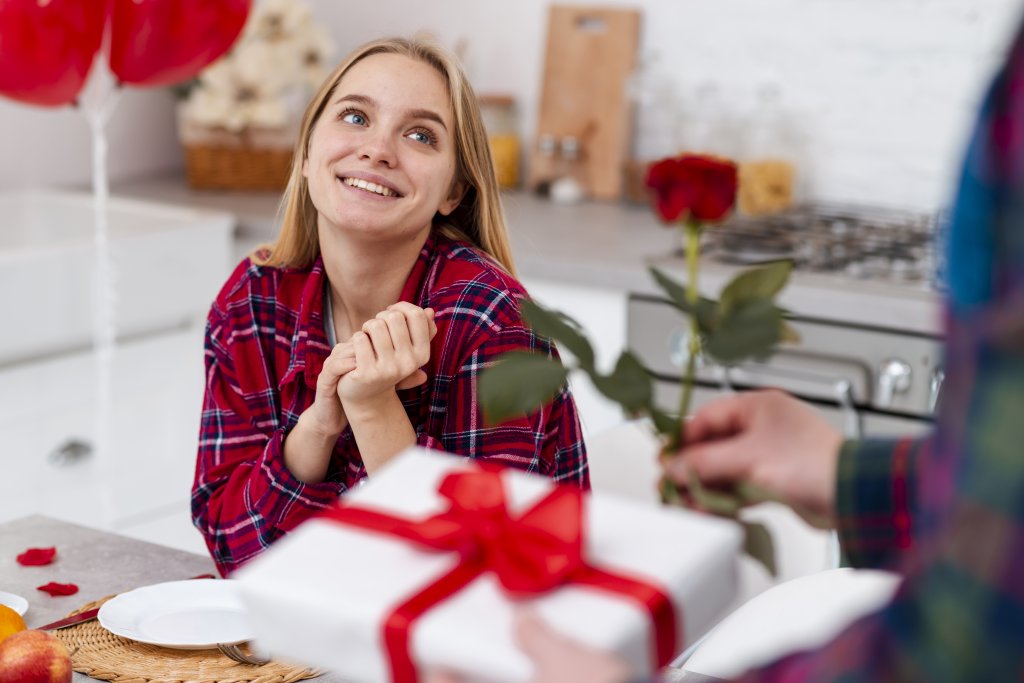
[766, 438]
[556, 658]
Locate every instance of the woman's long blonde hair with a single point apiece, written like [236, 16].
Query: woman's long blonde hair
[479, 217]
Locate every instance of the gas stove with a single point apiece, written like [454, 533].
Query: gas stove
[890, 246]
[867, 378]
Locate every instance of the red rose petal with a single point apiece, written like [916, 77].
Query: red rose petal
[55, 589]
[696, 186]
[37, 557]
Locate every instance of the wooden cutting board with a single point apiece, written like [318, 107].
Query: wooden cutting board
[591, 52]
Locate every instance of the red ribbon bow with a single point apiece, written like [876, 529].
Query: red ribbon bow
[531, 555]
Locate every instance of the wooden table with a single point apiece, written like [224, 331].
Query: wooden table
[103, 563]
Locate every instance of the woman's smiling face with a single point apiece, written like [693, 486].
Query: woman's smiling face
[381, 159]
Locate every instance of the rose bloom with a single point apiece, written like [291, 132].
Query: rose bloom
[704, 186]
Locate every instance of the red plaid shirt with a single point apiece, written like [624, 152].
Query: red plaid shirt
[265, 346]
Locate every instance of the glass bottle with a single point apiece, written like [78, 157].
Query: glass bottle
[710, 124]
[767, 173]
[499, 114]
[653, 96]
[568, 188]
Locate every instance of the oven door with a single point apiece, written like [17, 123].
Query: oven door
[836, 367]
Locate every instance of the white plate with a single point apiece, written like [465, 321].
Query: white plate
[800, 614]
[15, 602]
[188, 615]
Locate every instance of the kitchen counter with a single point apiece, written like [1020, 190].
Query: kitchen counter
[101, 564]
[610, 246]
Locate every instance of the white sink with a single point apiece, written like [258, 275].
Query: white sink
[168, 263]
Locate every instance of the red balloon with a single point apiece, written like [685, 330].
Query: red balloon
[47, 48]
[160, 42]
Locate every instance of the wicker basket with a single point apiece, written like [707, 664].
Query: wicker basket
[253, 159]
[237, 168]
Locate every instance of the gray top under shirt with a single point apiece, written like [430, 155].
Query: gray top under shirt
[332, 338]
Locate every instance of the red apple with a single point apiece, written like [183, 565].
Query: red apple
[34, 657]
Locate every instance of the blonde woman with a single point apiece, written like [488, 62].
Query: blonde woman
[363, 329]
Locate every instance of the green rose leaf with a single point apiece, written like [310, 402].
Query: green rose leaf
[715, 501]
[764, 282]
[757, 540]
[667, 425]
[519, 383]
[758, 544]
[706, 309]
[670, 494]
[750, 331]
[561, 328]
[629, 385]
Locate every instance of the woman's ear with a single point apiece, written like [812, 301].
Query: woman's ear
[454, 198]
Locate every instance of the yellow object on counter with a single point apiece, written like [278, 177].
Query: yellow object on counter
[765, 186]
[499, 114]
[505, 150]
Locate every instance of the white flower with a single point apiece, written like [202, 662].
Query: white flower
[276, 20]
[241, 90]
[271, 67]
[316, 48]
[280, 57]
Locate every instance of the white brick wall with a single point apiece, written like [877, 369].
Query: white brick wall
[881, 91]
[878, 92]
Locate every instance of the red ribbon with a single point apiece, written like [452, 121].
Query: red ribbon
[531, 555]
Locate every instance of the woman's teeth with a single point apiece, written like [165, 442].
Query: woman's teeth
[370, 187]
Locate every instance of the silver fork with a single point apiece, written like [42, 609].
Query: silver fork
[233, 651]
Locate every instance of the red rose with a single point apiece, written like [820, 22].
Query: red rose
[704, 186]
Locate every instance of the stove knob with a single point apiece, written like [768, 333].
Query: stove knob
[893, 378]
[679, 348]
[935, 388]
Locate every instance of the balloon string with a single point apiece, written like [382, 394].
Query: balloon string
[98, 106]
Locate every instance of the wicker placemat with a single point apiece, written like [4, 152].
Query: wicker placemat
[101, 654]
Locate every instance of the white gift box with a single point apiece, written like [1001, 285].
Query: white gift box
[320, 595]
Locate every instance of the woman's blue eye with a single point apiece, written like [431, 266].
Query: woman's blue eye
[354, 117]
[423, 136]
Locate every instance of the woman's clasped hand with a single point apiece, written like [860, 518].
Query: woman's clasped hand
[388, 354]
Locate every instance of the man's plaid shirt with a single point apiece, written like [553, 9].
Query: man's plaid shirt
[948, 511]
[265, 347]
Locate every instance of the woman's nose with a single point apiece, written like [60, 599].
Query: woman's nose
[378, 148]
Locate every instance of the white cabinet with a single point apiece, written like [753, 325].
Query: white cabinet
[166, 263]
[602, 315]
[142, 481]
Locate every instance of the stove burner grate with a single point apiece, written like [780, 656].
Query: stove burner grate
[858, 242]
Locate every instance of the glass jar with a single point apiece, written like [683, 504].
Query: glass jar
[499, 114]
[767, 175]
